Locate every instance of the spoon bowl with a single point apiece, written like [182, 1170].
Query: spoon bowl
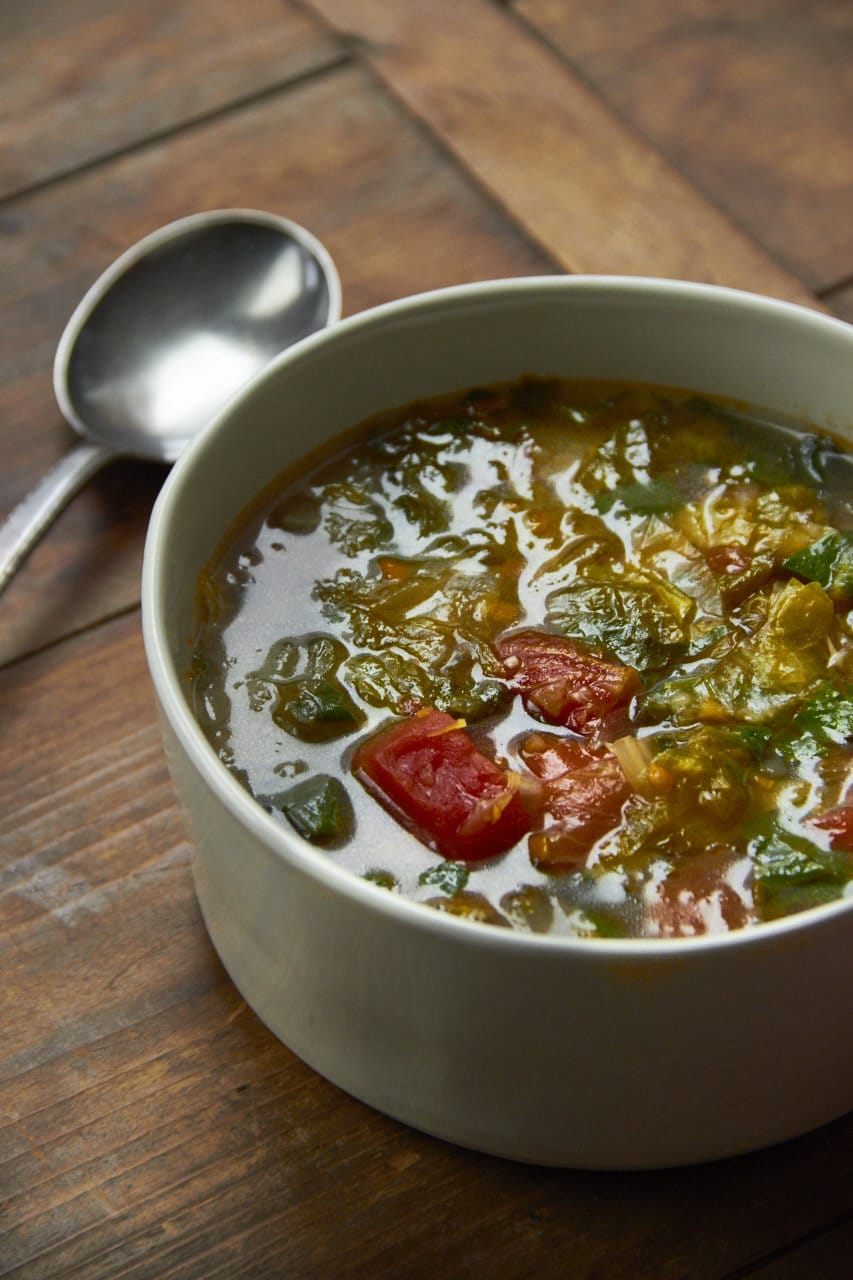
[164, 339]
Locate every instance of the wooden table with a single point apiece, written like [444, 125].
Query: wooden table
[150, 1126]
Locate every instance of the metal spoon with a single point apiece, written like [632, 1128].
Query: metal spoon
[165, 337]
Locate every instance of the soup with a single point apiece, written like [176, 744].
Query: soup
[566, 656]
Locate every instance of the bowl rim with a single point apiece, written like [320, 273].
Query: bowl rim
[290, 846]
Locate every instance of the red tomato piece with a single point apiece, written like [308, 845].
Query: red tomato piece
[430, 776]
[583, 790]
[728, 557]
[563, 682]
[838, 823]
[550, 756]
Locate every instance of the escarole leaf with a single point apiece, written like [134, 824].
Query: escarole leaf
[770, 670]
[760, 676]
[423, 625]
[666, 552]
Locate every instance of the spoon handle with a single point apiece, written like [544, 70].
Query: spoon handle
[26, 523]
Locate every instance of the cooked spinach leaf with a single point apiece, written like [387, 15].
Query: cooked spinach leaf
[828, 561]
[449, 877]
[791, 872]
[659, 496]
[319, 809]
[635, 616]
[298, 677]
[822, 723]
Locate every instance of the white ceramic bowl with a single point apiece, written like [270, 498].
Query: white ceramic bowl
[591, 1053]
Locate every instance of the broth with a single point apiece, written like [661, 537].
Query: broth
[561, 655]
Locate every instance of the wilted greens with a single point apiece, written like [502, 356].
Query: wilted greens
[524, 576]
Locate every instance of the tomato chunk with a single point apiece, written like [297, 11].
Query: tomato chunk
[838, 823]
[563, 682]
[728, 557]
[583, 791]
[430, 776]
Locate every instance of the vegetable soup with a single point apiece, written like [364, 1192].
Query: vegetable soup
[566, 656]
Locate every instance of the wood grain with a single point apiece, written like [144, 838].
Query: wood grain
[150, 1126]
[752, 102]
[549, 151]
[336, 155]
[119, 72]
[826, 1255]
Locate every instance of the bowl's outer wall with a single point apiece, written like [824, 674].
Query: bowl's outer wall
[585, 1059]
[581, 1054]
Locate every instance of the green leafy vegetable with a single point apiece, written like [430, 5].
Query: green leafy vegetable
[319, 809]
[823, 722]
[802, 460]
[770, 670]
[828, 561]
[605, 924]
[642, 497]
[622, 459]
[353, 519]
[403, 685]
[424, 625]
[299, 674]
[635, 616]
[384, 879]
[755, 738]
[449, 877]
[421, 481]
[766, 524]
[319, 702]
[704, 776]
[678, 699]
[791, 873]
[666, 552]
[389, 680]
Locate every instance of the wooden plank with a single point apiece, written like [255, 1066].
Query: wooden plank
[336, 155]
[547, 148]
[753, 102]
[826, 1256]
[123, 71]
[150, 1126]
